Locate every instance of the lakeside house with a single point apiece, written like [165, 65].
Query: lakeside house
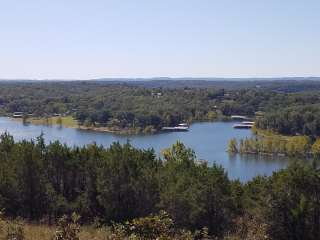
[156, 94]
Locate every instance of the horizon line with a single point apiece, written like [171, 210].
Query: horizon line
[164, 78]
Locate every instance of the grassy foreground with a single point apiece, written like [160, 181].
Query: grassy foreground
[44, 232]
[153, 227]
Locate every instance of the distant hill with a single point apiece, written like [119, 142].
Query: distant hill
[284, 84]
[279, 84]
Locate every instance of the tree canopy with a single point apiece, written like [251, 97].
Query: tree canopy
[121, 183]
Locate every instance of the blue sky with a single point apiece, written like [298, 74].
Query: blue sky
[82, 39]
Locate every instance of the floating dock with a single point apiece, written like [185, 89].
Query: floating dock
[17, 114]
[244, 125]
[182, 127]
[239, 117]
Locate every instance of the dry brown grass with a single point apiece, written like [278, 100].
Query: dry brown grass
[37, 232]
[44, 232]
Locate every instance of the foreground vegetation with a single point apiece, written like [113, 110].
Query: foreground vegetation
[21, 230]
[169, 197]
[159, 226]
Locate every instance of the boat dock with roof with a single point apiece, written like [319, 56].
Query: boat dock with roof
[244, 125]
[182, 127]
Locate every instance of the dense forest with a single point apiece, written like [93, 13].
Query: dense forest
[287, 107]
[40, 182]
[296, 119]
[116, 105]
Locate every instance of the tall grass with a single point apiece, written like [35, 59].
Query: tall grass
[45, 232]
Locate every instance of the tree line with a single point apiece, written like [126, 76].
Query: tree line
[144, 106]
[293, 120]
[42, 182]
[294, 146]
[105, 104]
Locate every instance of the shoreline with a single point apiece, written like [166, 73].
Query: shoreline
[127, 131]
[70, 122]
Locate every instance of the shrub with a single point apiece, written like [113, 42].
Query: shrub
[15, 230]
[154, 227]
[68, 228]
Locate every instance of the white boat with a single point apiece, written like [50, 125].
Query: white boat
[242, 126]
[183, 125]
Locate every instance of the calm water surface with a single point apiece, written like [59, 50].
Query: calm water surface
[208, 140]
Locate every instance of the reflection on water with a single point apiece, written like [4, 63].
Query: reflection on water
[255, 165]
[208, 140]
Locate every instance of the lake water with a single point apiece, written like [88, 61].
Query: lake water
[208, 140]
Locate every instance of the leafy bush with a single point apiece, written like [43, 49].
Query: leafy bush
[152, 227]
[155, 227]
[68, 228]
[11, 230]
